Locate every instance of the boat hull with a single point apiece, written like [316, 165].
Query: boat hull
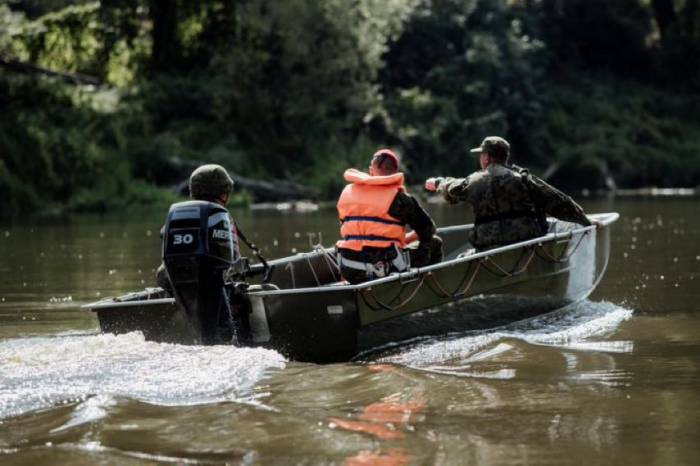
[310, 318]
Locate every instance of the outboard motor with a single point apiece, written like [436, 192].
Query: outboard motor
[198, 248]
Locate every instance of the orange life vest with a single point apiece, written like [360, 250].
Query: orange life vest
[363, 209]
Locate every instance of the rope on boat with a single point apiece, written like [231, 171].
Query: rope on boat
[506, 274]
[456, 293]
[290, 266]
[332, 266]
[330, 262]
[387, 307]
[445, 294]
[561, 258]
[313, 271]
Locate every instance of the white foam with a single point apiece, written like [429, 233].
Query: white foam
[90, 410]
[570, 327]
[40, 372]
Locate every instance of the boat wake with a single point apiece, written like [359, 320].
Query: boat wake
[575, 327]
[41, 372]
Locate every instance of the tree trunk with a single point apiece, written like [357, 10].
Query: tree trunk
[164, 52]
[176, 172]
[690, 14]
[665, 15]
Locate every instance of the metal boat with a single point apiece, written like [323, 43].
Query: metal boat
[308, 313]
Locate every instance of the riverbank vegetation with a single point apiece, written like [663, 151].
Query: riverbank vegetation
[108, 104]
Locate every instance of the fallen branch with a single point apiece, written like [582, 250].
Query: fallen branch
[30, 68]
[262, 191]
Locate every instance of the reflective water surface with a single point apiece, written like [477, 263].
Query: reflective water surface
[612, 380]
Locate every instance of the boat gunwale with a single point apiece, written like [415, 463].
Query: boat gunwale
[110, 303]
[606, 219]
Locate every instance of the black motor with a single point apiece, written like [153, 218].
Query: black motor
[199, 246]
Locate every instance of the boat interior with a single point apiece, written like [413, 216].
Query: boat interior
[318, 267]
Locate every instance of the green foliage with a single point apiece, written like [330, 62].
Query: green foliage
[461, 70]
[11, 24]
[330, 160]
[110, 195]
[304, 71]
[66, 40]
[184, 118]
[59, 152]
[641, 135]
[598, 34]
[303, 89]
[79, 38]
[18, 196]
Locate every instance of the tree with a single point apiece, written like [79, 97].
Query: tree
[665, 15]
[461, 70]
[11, 24]
[302, 75]
[164, 52]
[679, 57]
[597, 34]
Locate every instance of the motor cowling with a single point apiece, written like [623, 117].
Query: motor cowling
[199, 246]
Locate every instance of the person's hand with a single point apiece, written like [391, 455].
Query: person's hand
[598, 224]
[433, 184]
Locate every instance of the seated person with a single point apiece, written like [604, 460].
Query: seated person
[374, 210]
[210, 183]
[510, 204]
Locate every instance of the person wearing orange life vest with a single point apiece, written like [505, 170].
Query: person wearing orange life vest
[374, 210]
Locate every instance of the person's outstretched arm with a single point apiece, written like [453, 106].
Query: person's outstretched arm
[556, 203]
[454, 190]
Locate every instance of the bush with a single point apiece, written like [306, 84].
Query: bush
[641, 135]
[463, 69]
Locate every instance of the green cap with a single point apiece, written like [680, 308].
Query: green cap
[495, 146]
[210, 181]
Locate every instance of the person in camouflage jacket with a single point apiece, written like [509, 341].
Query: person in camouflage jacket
[510, 204]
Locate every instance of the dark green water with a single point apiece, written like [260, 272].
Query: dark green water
[612, 381]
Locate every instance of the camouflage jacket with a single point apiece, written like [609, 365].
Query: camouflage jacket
[510, 205]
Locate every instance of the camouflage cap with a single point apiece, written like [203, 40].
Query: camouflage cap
[210, 181]
[495, 146]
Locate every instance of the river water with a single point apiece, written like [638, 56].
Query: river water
[613, 380]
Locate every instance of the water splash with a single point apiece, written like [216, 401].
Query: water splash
[40, 372]
[90, 410]
[570, 327]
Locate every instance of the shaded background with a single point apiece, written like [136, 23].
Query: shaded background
[106, 105]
